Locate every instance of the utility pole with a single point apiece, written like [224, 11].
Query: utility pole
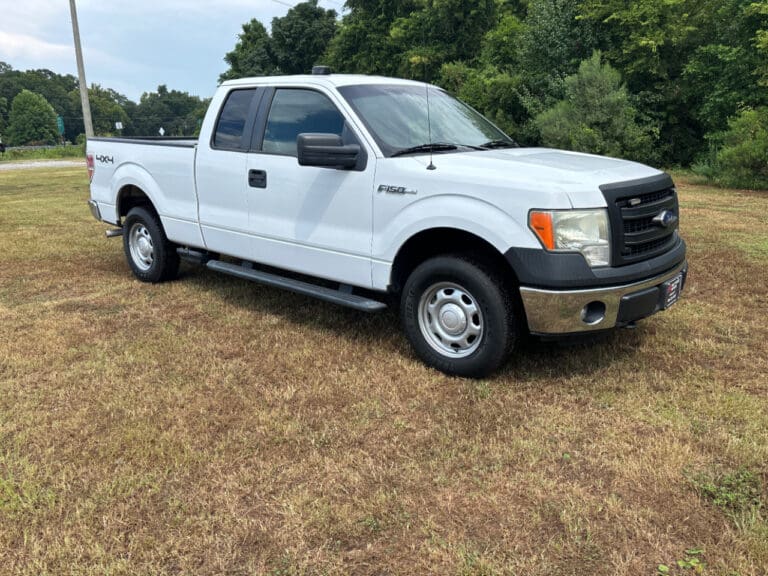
[81, 73]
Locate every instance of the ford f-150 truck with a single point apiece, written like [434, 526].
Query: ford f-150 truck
[366, 191]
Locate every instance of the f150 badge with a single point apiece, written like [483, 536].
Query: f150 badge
[387, 189]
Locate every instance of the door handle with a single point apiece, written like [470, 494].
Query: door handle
[257, 178]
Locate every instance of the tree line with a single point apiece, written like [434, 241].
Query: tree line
[669, 82]
[31, 101]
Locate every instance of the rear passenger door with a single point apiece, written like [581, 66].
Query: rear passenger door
[222, 178]
[316, 221]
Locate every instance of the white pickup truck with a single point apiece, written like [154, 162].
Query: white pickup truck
[366, 191]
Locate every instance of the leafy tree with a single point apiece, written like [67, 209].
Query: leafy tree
[363, 44]
[32, 120]
[551, 46]
[252, 55]
[740, 154]
[301, 37]
[497, 94]
[427, 37]
[500, 44]
[669, 52]
[719, 77]
[298, 41]
[3, 114]
[596, 115]
[177, 113]
[107, 107]
[53, 87]
[410, 38]
[761, 39]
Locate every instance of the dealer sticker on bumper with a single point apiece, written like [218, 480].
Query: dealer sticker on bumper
[670, 291]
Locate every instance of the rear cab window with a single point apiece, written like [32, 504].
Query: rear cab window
[232, 128]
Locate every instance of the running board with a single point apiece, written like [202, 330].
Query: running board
[193, 256]
[299, 287]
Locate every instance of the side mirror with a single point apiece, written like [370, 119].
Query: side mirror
[326, 150]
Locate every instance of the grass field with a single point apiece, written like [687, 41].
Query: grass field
[53, 153]
[212, 426]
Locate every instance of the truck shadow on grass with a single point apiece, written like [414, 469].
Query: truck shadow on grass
[532, 360]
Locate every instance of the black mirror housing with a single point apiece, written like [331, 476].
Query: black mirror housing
[327, 151]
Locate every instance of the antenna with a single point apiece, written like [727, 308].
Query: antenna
[429, 120]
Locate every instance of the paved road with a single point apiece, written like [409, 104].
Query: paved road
[40, 164]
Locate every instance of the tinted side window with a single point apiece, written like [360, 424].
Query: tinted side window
[231, 124]
[295, 112]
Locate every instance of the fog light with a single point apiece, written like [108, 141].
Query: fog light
[593, 313]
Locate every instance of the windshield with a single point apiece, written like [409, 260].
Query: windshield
[396, 116]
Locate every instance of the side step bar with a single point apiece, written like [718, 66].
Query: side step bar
[298, 286]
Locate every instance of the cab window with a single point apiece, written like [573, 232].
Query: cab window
[297, 111]
[231, 125]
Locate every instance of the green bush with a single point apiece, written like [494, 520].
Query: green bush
[739, 156]
[597, 116]
[31, 120]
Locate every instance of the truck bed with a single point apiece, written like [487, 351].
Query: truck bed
[163, 168]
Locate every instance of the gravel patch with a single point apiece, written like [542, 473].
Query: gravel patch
[40, 164]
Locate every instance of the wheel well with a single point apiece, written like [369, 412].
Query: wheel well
[129, 197]
[430, 243]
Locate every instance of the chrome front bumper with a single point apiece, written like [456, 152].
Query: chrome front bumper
[94, 206]
[574, 311]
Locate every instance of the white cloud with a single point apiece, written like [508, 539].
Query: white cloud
[26, 47]
[33, 16]
[133, 46]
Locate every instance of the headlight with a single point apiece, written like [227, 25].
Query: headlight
[584, 231]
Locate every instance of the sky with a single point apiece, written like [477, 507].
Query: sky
[134, 46]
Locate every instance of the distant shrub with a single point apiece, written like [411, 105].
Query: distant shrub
[739, 156]
[31, 120]
[596, 116]
[48, 153]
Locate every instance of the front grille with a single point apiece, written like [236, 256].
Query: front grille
[635, 209]
[652, 246]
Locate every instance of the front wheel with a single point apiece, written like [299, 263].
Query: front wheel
[151, 256]
[458, 315]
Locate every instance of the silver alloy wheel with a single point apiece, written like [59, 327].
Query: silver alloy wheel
[450, 320]
[142, 249]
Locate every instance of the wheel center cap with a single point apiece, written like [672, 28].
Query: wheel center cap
[453, 319]
[145, 248]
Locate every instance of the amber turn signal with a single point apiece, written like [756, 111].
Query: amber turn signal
[541, 224]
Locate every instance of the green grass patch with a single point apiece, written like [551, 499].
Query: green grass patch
[738, 493]
[53, 153]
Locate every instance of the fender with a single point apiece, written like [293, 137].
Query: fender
[464, 213]
[179, 217]
[132, 174]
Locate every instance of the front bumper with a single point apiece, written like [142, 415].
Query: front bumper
[553, 312]
[94, 206]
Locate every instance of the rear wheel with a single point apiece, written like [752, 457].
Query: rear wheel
[458, 315]
[151, 256]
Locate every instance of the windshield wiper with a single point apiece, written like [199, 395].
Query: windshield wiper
[435, 147]
[499, 144]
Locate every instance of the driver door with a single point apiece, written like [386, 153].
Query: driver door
[315, 221]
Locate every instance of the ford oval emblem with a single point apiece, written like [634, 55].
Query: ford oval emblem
[666, 219]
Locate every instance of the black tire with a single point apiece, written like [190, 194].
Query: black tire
[151, 256]
[475, 306]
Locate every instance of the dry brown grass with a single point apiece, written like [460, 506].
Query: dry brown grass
[212, 426]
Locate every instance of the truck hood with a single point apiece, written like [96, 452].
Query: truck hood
[556, 176]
